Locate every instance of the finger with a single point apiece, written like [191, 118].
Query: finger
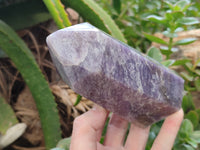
[102, 147]
[87, 129]
[168, 132]
[116, 131]
[137, 138]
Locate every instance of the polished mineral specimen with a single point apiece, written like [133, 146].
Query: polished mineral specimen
[114, 75]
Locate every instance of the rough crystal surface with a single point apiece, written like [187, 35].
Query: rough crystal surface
[114, 75]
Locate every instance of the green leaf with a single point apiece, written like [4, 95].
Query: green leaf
[188, 21]
[183, 147]
[189, 67]
[154, 39]
[57, 148]
[165, 50]
[179, 29]
[177, 14]
[57, 10]
[185, 41]
[193, 117]
[78, 99]
[195, 136]
[197, 71]
[169, 4]
[24, 14]
[169, 34]
[196, 64]
[155, 53]
[198, 112]
[7, 116]
[197, 84]
[156, 19]
[183, 4]
[93, 13]
[186, 76]
[152, 135]
[187, 103]
[192, 142]
[64, 143]
[173, 16]
[168, 63]
[23, 59]
[180, 62]
[188, 147]
[117, 5]
[186, 128]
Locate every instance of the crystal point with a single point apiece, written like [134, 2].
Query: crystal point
[114, 75]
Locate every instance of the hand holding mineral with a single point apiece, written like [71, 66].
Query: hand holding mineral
[88, 127]
[114, 75]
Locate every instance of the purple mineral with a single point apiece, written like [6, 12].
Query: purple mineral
[114, 75]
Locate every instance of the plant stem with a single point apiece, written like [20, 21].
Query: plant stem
[195, 65]
[169, 48]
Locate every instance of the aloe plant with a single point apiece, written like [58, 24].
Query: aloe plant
[22, 57]
[93, 13]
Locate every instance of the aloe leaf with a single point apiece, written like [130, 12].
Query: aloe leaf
[7, 116]
[93, 13]
[22, 57]
[24, 14]
[57, 10]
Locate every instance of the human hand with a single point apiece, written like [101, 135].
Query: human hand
[87, 130]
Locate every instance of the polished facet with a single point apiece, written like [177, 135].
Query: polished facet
[114, 75]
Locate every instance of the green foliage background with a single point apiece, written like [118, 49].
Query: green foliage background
[130, 21]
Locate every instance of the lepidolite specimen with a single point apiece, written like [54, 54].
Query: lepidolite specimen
[114, 75]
